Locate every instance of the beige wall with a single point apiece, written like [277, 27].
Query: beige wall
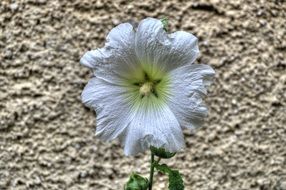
[47, 136]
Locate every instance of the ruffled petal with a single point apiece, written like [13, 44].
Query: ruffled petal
[184, 49]
[153, 127]
[187, 88]
[117, 57]
[154, 46]
[112, 106]
[151, 41]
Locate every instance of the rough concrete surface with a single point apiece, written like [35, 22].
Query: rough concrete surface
[47, 136]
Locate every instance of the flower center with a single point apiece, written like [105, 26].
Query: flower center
[147, 86]
[146, 89]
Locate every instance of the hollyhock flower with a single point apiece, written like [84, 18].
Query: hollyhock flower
[145, 87]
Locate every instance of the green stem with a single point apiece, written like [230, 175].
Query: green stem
[151, 171]
[158, 160]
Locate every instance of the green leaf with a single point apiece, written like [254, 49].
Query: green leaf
[162, 153]
[175, 178]
[136, 182]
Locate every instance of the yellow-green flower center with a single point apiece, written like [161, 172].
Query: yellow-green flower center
[147, 86]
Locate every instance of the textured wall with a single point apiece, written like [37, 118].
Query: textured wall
[47, 136]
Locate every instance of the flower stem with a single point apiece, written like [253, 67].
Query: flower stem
[151, 171]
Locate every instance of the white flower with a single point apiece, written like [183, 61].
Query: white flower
[145, 88]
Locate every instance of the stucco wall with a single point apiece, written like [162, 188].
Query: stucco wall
[47, 136]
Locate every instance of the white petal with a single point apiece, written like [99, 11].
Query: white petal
[187, 88]
[157, 127]
[113, 108]
[117, 57]
[155, 46]
[121, 37]
[150, 40]
[119, 40]
[184, 48]
[95, 58]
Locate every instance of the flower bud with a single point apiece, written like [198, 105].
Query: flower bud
[136, 182]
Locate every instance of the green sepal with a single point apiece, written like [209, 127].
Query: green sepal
[175, 178]
[136, 182]
[165, 23]
[162, 153]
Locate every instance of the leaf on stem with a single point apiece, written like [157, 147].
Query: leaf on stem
[175, 178]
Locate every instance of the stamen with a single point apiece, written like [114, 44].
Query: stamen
[146, 89]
